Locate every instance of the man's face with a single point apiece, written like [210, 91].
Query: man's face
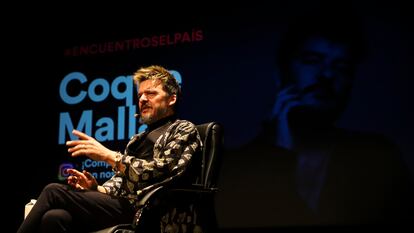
[154, 102]
[322, 74]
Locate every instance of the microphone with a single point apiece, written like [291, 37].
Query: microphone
[136, 115]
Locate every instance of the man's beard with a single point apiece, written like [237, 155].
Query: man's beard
[151, 118]
[146, 119]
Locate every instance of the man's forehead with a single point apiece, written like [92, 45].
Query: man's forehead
[325, 46]
[150, 84]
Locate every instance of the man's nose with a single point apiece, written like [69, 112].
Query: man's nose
[327, 72]
[143, 98]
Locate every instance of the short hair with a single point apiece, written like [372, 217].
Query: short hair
[159, 73]
[343, 28]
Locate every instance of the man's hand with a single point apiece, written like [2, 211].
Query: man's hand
[87, 145]
[286, 99]
[82, 180]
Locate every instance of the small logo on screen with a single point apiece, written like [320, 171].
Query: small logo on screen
[62, 173]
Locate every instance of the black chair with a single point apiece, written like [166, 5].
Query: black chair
[187, 205]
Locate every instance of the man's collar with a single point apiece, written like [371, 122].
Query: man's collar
[161, 122]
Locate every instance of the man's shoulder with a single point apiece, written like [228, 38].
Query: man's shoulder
[260, 149]
[364, 139]
[368, 147]
[183, 123]
[182, 126]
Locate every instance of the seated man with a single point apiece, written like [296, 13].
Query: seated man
[161, 153]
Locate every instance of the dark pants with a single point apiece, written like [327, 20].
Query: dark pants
[59, 208]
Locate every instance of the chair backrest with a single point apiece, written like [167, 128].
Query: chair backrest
[194, 198]
[204, 168]
[211, 134]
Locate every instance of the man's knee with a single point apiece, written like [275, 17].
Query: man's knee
[56, 220]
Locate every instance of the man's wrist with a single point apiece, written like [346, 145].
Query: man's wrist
[117, 162]
[101, 189]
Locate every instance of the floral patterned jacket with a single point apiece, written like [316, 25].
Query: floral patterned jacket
[171, 154]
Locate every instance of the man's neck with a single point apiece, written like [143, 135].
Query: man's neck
[161, 122]
[300, 136]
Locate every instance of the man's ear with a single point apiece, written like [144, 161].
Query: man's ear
[173, 100]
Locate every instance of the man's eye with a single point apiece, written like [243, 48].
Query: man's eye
[343, 66]
[150, 95]
[147, 95]
[311, 59]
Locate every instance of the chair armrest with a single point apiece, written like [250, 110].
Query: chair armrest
[195, 189]
[151, 197]
[145, 200]
[147, 197]
[124, 228]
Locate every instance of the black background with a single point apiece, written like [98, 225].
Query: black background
[228, 77]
